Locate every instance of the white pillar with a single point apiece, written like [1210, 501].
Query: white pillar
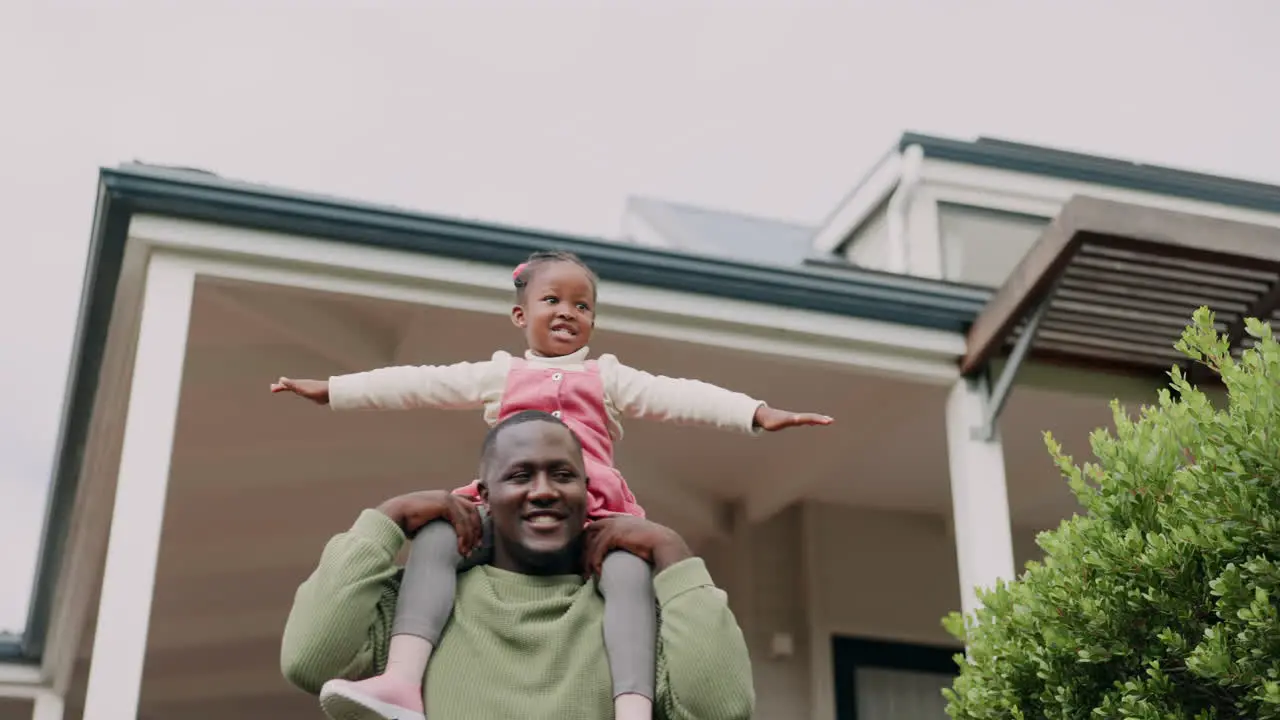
[48, 706]
[979, 501]
[124, 610]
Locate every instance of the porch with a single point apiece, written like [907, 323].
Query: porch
[815, 534]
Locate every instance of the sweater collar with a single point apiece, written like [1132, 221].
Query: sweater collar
[507, 576]
[576, 357]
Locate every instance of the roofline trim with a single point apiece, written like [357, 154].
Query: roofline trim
[856, 292]
[1100, 170]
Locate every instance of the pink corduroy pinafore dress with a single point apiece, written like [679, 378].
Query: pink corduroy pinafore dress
[577, 398]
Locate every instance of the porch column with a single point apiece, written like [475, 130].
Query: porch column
[979, 501]
[124, 610]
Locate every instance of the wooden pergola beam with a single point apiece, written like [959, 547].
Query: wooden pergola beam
[1126, 226]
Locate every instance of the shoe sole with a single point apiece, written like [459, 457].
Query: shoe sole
[349, 705]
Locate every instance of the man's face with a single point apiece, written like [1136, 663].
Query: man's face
[557, 310]
[535, 482]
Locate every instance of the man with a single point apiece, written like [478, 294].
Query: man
[526, 637]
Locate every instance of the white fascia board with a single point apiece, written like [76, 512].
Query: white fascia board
[1032, 194]
[218, 251]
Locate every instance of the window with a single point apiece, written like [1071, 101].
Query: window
[982, 246]
[877, 680]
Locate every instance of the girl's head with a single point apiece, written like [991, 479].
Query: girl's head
[555, 303]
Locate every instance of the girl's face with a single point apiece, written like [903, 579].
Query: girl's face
[558, 312]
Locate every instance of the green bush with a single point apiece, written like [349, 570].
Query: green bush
[1160, 601]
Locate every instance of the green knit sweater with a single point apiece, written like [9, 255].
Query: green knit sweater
[517, 646]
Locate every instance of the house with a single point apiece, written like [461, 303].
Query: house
[188, 503]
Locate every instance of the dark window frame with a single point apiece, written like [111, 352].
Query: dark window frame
[850, 653]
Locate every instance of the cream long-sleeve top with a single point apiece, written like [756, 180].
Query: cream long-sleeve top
[474, 385]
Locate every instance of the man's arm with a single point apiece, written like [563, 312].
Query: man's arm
[341, 618]
[704, 671]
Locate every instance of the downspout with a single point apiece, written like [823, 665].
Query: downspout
[900, 206]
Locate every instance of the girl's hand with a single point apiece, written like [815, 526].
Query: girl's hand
[773, 419]
[316, 391]
[657, 545]
[416, 509]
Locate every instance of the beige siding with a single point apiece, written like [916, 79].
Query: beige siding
[820, 570]
[779, 583]
[762, 569]
[15, 708]
[868, 246]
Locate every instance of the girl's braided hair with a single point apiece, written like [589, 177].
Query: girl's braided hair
[527, 270]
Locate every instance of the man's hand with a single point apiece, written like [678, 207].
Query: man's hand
[772, 419]
[316, 391]
[657, 545]
[414, 510]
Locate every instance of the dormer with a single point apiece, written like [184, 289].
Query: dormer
[967, 211]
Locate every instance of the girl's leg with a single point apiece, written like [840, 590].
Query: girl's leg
[425, 600]
[422, 609]
[630, 633]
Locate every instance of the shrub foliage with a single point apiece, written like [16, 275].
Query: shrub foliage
[1160, 601]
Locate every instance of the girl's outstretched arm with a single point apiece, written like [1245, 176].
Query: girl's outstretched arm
[773, 419]
[461, 386]
[639, 394]
[317, 391]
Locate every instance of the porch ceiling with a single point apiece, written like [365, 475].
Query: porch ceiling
[259, 482]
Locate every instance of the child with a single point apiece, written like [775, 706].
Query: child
[555, 308]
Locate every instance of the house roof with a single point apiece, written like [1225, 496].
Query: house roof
[726, 234]
[1037, 160]
[198, 195]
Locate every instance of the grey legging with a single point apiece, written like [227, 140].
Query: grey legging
[626, 582]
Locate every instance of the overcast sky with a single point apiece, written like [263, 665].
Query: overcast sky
[551, 116]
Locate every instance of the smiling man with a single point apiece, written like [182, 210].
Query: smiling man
[526, 636]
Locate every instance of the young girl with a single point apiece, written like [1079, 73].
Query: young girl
[555, 308]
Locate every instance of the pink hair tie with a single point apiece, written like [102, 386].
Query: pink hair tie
[515, 274]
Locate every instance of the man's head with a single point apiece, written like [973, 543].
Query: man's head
[534, 479]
